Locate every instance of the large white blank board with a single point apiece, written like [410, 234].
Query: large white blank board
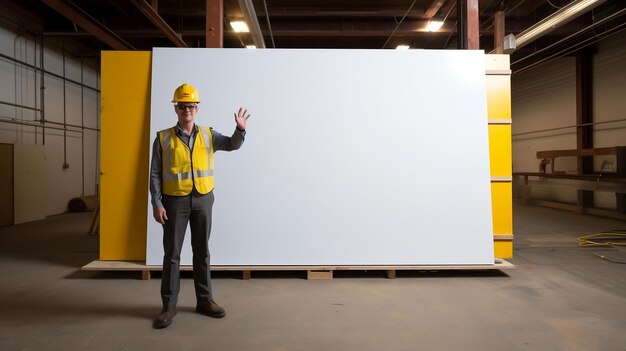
[352, 157]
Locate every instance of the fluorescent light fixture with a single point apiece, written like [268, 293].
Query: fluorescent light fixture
[239, 26]
[402, 47]
[433, 26]
[555, 20]
[250, 46]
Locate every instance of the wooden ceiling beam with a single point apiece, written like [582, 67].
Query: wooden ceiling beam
[433, 8]
[76, 15]
[147, 10]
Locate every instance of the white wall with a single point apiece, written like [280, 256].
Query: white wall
[349, 158]
[21, 85]
[544, 97]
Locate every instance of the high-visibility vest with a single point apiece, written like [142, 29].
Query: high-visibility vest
[184, 169]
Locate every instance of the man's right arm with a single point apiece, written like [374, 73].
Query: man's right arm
[156, 180]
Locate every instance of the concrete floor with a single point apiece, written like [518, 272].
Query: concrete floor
[559, 297]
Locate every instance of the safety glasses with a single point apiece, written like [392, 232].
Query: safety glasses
[185, 107]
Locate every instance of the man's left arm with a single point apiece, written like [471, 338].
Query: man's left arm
[234, 142]
[228, 143]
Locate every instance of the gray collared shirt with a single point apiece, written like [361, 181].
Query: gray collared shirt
[189, 139]
[220, 143]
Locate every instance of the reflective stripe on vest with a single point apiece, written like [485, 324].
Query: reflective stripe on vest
[183, 170]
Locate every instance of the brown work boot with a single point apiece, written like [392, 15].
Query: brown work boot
[210, 308]
[165, 318]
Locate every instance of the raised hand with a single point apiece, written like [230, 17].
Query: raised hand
[241, 118]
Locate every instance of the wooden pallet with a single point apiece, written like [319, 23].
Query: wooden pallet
[313, 272]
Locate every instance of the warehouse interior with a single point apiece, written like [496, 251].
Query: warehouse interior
[568, 180]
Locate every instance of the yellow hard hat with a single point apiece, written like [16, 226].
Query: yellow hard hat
[186, 93]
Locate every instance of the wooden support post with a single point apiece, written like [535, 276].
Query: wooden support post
[391, 274]
[498, 31]
[461, 30]
[620, 199]
[246, 275]
[473, 33]
[145, 275]
[620, 161]
[584, 118]
[584, 108]
[214, 23]
[319, 275]
[620, 164]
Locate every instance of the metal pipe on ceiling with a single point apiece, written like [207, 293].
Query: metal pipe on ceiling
[312, 12]
[269, 26]
[555, 20]
[579, 44]
[253, 23]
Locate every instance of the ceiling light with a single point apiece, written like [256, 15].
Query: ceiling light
[250, 46]
[564, 15]
[433, 26]
[402, 47]
[239, 26]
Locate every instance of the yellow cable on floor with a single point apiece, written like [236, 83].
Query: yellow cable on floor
[607, 238]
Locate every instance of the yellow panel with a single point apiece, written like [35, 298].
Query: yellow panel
[503, 249]
[500, 149]
[502, 207]
[499, 108]
[499, 96]
[125, 149]
[124, 180]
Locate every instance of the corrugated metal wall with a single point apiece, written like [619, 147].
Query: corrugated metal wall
[609, 86]
[71, 155]
[544, 99]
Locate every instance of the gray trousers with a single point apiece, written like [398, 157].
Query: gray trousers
[196, 210]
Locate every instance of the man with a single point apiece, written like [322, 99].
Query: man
[181, 185]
